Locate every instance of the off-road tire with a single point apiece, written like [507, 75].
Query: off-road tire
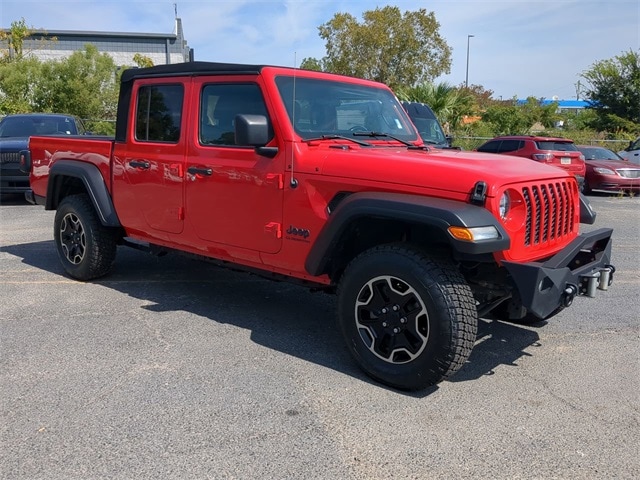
[87, 249]
[409, 320]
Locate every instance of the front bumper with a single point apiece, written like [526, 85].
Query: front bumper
[13, 182]
[581, 268]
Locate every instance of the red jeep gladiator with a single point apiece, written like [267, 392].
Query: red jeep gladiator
[322, 179]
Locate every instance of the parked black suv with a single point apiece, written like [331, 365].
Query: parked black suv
[15, 131]
[427, 124]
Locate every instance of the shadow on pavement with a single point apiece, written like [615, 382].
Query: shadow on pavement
[281, 316]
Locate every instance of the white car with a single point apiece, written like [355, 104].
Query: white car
[632, 152]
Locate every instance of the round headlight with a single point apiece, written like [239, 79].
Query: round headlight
[505, 205]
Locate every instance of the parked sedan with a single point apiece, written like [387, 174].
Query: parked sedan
[608, 171]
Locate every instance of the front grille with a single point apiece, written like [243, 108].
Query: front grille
[629, 172]
[550, 212]
[9, 157]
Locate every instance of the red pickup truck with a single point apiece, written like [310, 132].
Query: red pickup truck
[323, 180]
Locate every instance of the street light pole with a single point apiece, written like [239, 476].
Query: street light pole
[466, 80]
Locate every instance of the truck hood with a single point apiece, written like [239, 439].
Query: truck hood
[445, 170]
[13, 144]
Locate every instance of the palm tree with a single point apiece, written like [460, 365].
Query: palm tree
[449, 103]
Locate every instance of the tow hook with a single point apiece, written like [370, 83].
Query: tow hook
[569, 294]
[606, 277]
[598, 279]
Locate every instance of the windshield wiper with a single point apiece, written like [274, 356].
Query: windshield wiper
[381, 134]
[338, 137]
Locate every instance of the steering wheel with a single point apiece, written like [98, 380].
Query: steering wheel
[358, 128]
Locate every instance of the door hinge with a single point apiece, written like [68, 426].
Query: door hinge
[274, 228]
[275, 178]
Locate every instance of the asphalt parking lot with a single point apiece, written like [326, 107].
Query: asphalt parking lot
[173, 369]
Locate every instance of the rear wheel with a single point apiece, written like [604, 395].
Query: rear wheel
[87, 249]
[410, 321]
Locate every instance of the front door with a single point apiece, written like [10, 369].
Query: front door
[233, 195]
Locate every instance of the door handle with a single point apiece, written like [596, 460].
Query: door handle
[200, 171]
[139, 164]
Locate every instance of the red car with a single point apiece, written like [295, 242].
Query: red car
[560, 152]
[608, 171]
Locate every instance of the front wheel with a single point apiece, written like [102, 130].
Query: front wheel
[410, 321]
[87, 249]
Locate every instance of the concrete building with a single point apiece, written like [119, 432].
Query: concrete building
[161, 48]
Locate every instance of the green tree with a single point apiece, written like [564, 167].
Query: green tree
[534, 111]
[142, 61]
[84, 84]
[482, 96]
[614, 91]
[17, 85]
[15, 37]
[448, 103]
[506, 120]
[388, 46]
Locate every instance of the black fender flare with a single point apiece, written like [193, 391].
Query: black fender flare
[436, 212]
[93, 182]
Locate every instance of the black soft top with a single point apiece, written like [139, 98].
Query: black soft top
[189, 68]
[172, 70]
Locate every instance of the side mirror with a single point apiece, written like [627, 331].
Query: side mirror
[254, 131]
[449, 139]
[630, 146]
[251, 130]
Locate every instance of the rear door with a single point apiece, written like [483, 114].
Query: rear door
[149, 167]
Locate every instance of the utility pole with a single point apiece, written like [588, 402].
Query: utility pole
[466, 78]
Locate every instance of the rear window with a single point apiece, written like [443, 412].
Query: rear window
[159, 113]
[510, 146]
[490, 147]
[558, 146]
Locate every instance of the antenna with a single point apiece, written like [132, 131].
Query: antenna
[293, 182]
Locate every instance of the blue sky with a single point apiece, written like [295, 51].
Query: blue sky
[520, 48]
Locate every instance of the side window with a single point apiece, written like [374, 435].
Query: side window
[219, 105]
[159, 113]
[490, 147]
[509, 146]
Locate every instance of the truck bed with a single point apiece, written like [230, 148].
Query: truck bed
[46, 151]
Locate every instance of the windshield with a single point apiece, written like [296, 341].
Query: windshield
[430, 130]
[598, 153]
[25, 126]
[319, 108]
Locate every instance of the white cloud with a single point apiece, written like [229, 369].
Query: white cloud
[519, 48]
